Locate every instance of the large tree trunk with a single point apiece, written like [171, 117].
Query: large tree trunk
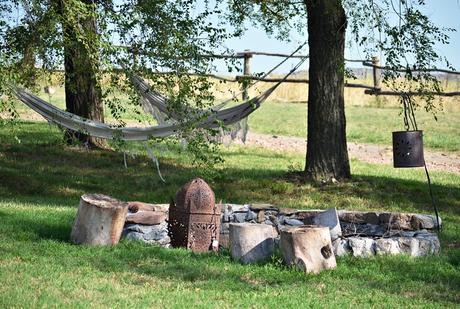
[82, 90]
[327, 155]
[28, 64]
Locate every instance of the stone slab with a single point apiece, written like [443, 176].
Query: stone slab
[330, 219]
[239, 217]
[256, 207]
[362, 246]
[359, 217]
[384, 246]
[341, 247]
[288, 211]
[136, 206]
[237, 207]
[260, 216]
[150, 234]
[397, 221]
[420, 221]
[307, 215]
[293, 222]
[146, 217]
[251, 216]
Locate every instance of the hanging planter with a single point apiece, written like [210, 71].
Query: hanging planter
[408, 149]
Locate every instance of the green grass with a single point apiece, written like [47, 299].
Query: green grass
[364, 124]
[41, 181]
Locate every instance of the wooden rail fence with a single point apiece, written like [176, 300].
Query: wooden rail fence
[247, 56]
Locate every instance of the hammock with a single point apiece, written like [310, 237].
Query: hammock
[101, 130]
[156, 104]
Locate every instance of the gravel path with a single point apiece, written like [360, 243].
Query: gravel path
[436, 161]
[371, 153]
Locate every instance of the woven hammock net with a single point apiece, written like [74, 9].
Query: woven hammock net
[213, 118]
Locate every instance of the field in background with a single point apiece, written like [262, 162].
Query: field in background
[364, 124]
[298, 93]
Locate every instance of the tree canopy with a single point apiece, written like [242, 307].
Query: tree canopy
[399, 31]
[39, 38]
[171, 35]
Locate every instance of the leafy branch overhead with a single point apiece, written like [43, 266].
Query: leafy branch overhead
[38, 37]
[399, 31]
[82, 37]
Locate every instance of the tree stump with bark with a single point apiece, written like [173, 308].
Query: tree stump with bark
[308, 248]
[100, 220]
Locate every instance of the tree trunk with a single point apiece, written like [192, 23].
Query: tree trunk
[82, 90]
[327, 155]
[28, 64]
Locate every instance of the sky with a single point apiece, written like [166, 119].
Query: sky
[444, 13]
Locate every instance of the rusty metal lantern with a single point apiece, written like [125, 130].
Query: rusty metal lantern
[194, 218]
[408, 149]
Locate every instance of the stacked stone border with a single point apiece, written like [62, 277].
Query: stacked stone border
[359, 233]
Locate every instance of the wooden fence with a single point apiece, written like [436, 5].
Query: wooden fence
[247, 56]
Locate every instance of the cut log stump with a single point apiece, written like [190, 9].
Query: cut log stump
[251, 242]
[100, 219]
[308, 248]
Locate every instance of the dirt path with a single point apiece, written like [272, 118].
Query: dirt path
[371, 153]
[436, 161]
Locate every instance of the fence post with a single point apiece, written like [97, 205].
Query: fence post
[375, 73]
[246, 71]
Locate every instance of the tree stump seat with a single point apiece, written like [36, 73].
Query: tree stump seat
[308, 248]
[100, 220]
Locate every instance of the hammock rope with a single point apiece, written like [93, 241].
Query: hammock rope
[157, 102]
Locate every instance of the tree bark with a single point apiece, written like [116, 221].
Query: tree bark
[327, 155]
[82, 89]
[100, 220]
[308, 248]
[251, 242]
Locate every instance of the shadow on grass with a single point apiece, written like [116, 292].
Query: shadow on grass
[31, 225]
[431, 278]
[42, 168]
[46, 175]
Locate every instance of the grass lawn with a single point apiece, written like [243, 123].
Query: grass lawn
[41, 181]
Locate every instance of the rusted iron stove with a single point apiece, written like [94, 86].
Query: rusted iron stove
[194, 218]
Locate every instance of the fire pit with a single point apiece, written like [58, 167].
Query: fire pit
[359, 233]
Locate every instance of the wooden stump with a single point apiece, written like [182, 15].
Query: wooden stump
[100, 219]
[309, 248]
[250, 242]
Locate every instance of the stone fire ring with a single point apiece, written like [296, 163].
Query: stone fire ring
[357, 233]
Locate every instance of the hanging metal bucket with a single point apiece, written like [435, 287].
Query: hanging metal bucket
[408, 149]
